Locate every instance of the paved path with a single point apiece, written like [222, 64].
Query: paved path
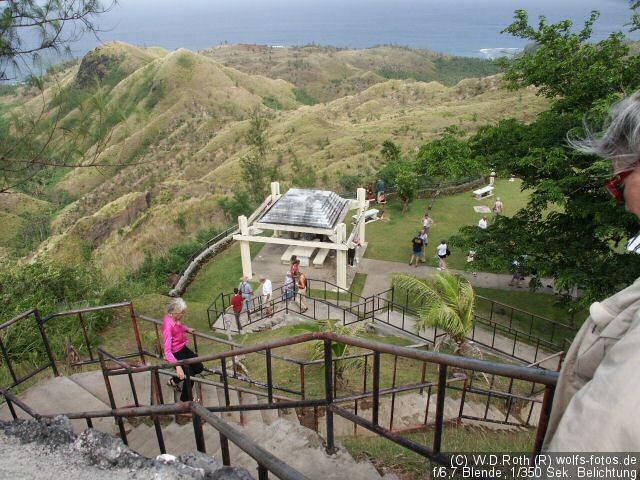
[379, 276]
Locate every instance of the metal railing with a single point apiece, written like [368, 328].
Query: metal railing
[331, 402]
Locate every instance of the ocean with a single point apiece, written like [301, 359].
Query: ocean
[457, 27]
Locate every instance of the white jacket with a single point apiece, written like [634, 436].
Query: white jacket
[597, 400]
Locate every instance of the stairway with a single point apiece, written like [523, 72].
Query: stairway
[278, 431]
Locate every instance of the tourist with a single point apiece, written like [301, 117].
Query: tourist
[416, 249]
[380, 188]
[236, 303]
[427, 221]
[302, 291]
[267, 292]
[175, 340]
[498, 207]
[295, 268]
[483, 224]
[442, 252]
[425, 243]
[288, 288]
[352, 246]
[370, 195]
[595, 407]
[247, 293]
[517, 273]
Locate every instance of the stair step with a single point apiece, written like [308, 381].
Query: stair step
[250, 416]
[59, 395]
[94, 383]
[289, 414]
[233, 400]
[268, 415]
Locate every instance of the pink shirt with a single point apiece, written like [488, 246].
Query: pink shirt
[175, 337]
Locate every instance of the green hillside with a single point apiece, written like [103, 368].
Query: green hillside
[322, 73]
[168, 130]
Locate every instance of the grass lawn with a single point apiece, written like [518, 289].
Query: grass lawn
[391, 239]
[387, 455]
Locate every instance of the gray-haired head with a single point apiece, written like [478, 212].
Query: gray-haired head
[177, 306]
[620, 139]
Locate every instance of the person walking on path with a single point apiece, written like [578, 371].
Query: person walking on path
[427, 221]
[483, 223]
[595, 406]
[247, 293]
[288, 289]
[352, 246]
[517, 273]
[425, 243]
[416, 249]
[236, 303]
[295, 271]
[498, 207]
[175, 341]
[267, 292]
[302, 291]
[442, 252]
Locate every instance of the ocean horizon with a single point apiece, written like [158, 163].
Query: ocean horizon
[455, 27]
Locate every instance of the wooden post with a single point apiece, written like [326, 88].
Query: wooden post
[362, 200]
[245, 250]
[341, 257]
[275, 195]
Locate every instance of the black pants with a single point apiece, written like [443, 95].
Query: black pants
[194, 369]
[351, 256]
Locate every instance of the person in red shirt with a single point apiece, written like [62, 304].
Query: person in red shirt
[237, 302]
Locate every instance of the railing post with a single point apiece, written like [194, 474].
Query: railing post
[393, 395]
[136, 332]
[158, 428]
[393, 292]
[263, 473]
[543, 422]
[442, 382]
[328, 387]
[376, 388]
[86, 337]
[45, 341]
[225, 381]
[302, 383]
[8, 362]
[269, 376]
[11, 409]
[197, 431]
[112, 401]
[224, 450]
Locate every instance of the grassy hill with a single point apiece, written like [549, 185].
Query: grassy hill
[168, 130]
[323, 73]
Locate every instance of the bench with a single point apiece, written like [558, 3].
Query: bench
[321, 256]
[288, 253]
[483, 192]
[304, 254]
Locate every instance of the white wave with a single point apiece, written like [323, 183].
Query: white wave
[493, 53]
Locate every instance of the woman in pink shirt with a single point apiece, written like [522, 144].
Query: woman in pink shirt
[174, 334]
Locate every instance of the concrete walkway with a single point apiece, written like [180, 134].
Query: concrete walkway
[379, 276]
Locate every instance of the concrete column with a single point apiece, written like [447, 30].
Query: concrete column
[245, 251]
[275, 195]
[362, 200]
[341, 257]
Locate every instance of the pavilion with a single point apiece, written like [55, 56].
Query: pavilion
[309, 222]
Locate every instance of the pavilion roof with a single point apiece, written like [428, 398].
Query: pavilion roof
[305, 207]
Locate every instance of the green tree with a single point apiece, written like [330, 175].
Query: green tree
[447, 302]
[239, 204]
[254, 168]
[406, 184]
[447, 157]
[571, 229]
[390, 151]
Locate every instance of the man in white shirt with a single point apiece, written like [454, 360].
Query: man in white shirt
[267, 292]
[483, 224]
[427, 221]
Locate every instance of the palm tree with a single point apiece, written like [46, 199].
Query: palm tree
[446, 301]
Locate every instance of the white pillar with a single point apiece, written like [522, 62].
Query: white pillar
[341, 257]
[362, 200]
[275, 195]
[245, 250]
